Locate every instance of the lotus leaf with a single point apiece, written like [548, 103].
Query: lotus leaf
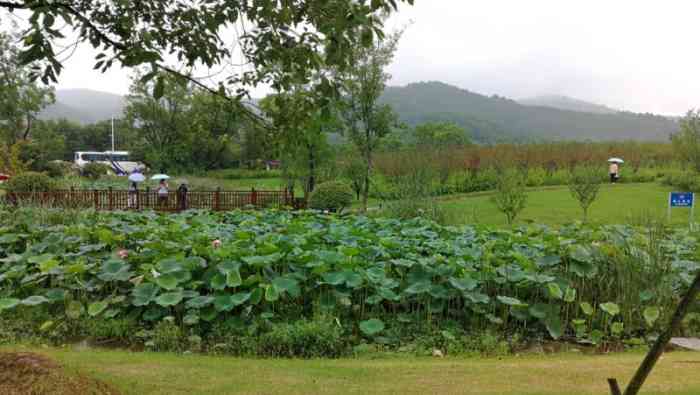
[233, 279]
[555, 291]
[610, 308]
[554, 326]
[463, 284]
[8, 303]
[169, 299]
[371, 327]
[507, 300]
[651, 314]
[96, 308]
[34, 300]
[570, 295]
[586, 308]
[167, 281]
[199, 301]
[271, 293]
[144, 294]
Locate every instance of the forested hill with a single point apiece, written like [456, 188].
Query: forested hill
[567, 103]
[84, 106]
[487, 119]
[490, 119]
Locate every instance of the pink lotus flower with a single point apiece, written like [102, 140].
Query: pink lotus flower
[216, 243]
[123, 254]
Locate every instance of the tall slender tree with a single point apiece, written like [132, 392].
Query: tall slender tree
[366, 120]
[302, 132]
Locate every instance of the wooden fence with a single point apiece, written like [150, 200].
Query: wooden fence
[110, 199]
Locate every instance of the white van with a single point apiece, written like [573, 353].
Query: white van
[118, 161]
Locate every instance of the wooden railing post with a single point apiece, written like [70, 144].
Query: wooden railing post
[148, 197]
[71, 197]
[96, 198]
[110, 199]
[253, 197]
[217, 199]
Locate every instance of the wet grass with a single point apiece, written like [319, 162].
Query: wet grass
[569, 373]
[616, 204]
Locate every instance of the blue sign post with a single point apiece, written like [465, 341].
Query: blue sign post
[681, 199]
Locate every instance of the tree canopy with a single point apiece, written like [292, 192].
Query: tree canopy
[281, 43]
[20, 99]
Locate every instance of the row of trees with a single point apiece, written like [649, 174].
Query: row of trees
[332, 52]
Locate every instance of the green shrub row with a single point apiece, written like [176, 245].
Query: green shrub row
[487, 180]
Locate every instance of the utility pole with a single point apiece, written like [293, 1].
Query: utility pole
[112, 135]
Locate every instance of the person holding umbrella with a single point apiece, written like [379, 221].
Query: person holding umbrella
[614, 169]
[162, 190]
[134, 178]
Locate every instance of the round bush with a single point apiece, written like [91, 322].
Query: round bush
[333, 196]
[30, 182]
[58, 169]
[96, 170]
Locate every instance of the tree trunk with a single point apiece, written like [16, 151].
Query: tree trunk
[311, 183]
[368, 173]
[29, 127]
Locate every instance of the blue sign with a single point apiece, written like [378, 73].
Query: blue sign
[681, 199]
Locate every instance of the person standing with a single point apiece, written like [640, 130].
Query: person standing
[614, 172]
[133, 192]
[163, 194]
[182, 196]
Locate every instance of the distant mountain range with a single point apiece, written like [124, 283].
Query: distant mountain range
[486, 119]
[567, 103]
[84, 106]
[491, 119]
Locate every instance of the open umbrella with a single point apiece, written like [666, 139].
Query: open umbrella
[616, 160]
[160, 177]
[137, 177]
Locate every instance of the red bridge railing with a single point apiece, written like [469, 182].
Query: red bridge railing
[110, 199]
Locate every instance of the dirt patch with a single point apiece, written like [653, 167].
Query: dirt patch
[23, 373]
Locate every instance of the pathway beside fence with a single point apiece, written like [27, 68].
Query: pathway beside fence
[110, 199]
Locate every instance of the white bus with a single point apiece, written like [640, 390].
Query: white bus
[118, 161]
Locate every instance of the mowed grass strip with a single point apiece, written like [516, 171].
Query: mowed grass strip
[616, 204]
[570, 373]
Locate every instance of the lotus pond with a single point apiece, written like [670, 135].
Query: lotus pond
[219, 278]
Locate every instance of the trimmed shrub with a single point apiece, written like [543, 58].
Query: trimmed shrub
[30, 182]
[333, 196]
[95, 170]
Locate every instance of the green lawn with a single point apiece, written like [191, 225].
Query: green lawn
[570, 373]
[616, 204]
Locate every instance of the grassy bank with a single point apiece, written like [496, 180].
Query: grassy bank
[616, 204]
[571, 373]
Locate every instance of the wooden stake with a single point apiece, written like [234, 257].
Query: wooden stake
[658, 348]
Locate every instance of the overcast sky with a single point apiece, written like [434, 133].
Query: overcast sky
[634, 55]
